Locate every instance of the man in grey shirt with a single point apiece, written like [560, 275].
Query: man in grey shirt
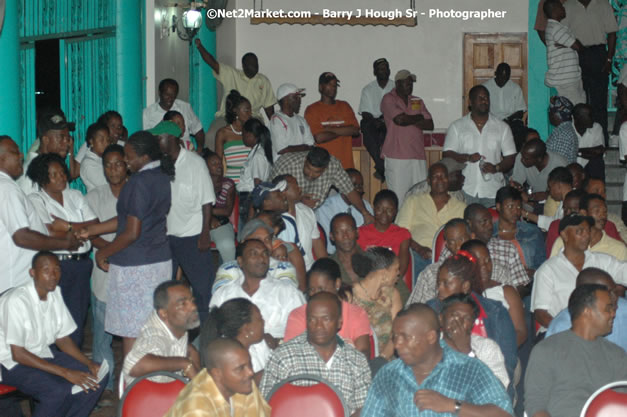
[533, 165]
[566, 368]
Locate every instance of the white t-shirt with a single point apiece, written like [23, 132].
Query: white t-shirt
[307, 228]
[154, 113]
[256, 166]
[371, 96]
[275, 298]
[555, 279]
[74, 209]
[31, 323]
[289, 131]
[103, 204]
[92, 171]
[191, 189]
[16, 212]
[506, 100]
[493, 142]
[592, 137]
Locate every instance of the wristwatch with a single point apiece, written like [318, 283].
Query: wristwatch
[458, 407]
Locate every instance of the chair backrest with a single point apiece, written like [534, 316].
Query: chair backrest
[438, 244]
[494, 213]
[320, 400]
[606, 402]
[409, 275]
[234, 217]
[7, 389]
[145, 398]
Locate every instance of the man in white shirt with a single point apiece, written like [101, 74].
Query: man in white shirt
[21, 230]
[555, 279]
[372, 124]
[32, 318]
[290, 131]
[338, 203]
[593, 23]
[275, 298]
[190, 214]
[506, 97]
[153, 114]
[591, 143]
[486, 145]
[163, 343]
[301, 227]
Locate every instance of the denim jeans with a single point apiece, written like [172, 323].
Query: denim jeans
[101, 344]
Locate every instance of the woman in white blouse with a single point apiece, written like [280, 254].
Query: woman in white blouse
[97, 140]
[63, 209]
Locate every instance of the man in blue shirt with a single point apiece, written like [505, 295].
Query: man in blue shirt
[562, 321]
[430, 378]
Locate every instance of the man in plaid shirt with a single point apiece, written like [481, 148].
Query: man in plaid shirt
[320, 351]
[316, 171]
[431, 379]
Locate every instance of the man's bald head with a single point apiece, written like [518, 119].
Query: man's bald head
[593, 275]
[534, 147]
[422, 313]
[214, 353]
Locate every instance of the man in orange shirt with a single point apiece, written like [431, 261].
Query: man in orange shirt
[333, 122]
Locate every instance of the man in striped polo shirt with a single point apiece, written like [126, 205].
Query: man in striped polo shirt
[564, 72]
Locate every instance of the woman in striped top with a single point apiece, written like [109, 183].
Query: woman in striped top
[229, 142]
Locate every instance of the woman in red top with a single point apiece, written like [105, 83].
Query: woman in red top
[383, 232]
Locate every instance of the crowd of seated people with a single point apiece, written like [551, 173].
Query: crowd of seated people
[312, 277]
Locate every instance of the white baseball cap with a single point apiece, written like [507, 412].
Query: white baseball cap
[287, 89]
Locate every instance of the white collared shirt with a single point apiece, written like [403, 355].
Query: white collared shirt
[155, 339]
[371, 96]
[506, 100]
[494, 142]
[26, 184]
[275, 298]
[154, 113]
[92, 171]
[32, 323]
[256, 166]
[288, 131]
[16, 212]
[191, 189]
[74, 209]
[307, 227]
[555, 279]
[103, 203]
[591, 137]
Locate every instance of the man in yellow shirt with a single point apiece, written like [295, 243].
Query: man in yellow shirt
[594, 205]
[424, 213]
[225, 388]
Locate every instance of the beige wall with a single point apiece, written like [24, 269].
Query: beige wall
[432, 50]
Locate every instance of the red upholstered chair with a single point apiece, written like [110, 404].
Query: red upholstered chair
[606, 402]
[409, 275]
[234, 217]
[438, 245]
[7, 391]
[145, 398]
[320, 400]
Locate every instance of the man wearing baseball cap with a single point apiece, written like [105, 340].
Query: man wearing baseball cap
[53, 131]
[372, 124]
[406, 117]
[290, 131]
[333, 122]
[555, 280]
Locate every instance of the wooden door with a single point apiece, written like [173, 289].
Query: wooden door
[483, 52]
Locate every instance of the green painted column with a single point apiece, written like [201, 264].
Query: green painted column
[207, 85]
[129, 29]
[10, 108]
[538, 94]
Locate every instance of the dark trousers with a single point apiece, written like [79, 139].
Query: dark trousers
[595, 168]
[595, 82]
[52, 393]
[373, 133]
[197, 267]
[75, 290]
